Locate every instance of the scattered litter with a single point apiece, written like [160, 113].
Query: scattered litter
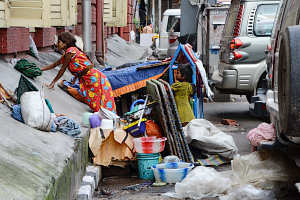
[201, 182]
[157, 184]
[106, 192]
[249, 192]
[170, 159]
[203, 135]
[230, 122]
[214, 160]
[137, 187]
[262, 169]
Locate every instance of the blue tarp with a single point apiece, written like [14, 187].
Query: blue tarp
[130, 75]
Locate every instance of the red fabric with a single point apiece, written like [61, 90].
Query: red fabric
[94, 85]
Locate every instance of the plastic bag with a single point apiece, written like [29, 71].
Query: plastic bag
[35, 111]
[261, 168]
[249, 192]
[170, 159]
[202, 134]
[32, 48]
[202, 182]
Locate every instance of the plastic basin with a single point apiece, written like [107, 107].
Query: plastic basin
[171, 172]
[149, 144]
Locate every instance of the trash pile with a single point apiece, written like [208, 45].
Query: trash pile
[28, 106]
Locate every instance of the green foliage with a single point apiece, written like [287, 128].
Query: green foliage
[137, 23]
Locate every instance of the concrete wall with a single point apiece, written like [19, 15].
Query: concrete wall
[188, 23]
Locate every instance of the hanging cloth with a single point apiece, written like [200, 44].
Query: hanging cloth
[28, 69]
[24, 86]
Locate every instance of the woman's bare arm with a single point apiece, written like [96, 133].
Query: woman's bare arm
[66, 62]
[53, 65]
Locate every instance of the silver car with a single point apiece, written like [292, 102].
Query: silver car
[242, 64]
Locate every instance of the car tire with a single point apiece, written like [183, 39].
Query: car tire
[288, 82]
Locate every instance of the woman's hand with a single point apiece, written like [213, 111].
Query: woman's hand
[51, 86]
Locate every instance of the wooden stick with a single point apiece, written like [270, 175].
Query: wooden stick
[6, 101]
[153, 65]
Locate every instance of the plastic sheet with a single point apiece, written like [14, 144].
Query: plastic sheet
[202, 134]
[170, 159]
[262, 168]
[249, 192]
[202, 182]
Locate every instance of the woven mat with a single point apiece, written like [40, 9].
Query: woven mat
[214, 160]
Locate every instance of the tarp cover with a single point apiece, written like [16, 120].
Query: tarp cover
[130, 79]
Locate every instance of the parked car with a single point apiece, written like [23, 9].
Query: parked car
[283, 97]
[242, 64]
[173, 38]
[169, 18]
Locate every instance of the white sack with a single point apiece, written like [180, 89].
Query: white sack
[203, 135]
[35, 111]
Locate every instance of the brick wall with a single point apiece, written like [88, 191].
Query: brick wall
[44, 37]
[14, 40]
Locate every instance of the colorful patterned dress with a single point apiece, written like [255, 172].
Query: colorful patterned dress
[94, 85]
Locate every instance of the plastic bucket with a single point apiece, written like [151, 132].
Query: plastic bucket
[145, 162]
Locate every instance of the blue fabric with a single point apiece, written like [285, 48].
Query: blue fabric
[16, 113]
[76, 84]
[122, 77]
[67, 125]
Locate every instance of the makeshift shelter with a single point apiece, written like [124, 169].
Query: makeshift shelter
[191, 57]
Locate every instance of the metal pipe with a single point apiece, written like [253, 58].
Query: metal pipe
[99, 32]
[159, 15]
[87, 27]
[153, 14]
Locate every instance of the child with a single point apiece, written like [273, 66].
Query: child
[94, 85]
[182, 91]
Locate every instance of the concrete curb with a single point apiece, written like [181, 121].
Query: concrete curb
[89, 183]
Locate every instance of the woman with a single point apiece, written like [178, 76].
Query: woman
[94, 85]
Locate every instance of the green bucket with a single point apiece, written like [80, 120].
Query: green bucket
[145, 162]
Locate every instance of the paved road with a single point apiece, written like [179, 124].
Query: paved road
[236, 109]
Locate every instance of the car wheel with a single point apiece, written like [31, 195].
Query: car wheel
[288, 81]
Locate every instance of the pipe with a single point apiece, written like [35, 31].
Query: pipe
[99, 33]
[86, 26]
[159, 15]
[153, 14]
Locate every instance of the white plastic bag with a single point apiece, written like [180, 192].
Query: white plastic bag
[32, 48]
[249, 192]
[202, 134]
[262, 168]
[202, 182]
[35, 111]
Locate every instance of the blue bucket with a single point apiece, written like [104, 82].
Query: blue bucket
[145, 162]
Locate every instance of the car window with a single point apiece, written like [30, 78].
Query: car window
[176, 26]
[264, 19]
[171, 21]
